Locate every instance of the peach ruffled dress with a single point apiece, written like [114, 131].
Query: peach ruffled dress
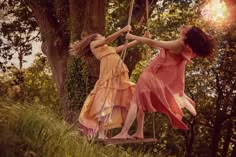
[160, 87]
[98, 104]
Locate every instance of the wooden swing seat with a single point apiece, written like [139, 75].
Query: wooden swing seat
[127, 141]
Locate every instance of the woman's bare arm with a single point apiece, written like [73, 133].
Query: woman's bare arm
[173, 46]
[115, 35]
[110, 38]
[130, 44]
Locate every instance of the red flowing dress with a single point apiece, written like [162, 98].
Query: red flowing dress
[160, 87]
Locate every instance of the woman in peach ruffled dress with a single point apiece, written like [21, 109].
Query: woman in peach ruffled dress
[112, 88]
[160, 87]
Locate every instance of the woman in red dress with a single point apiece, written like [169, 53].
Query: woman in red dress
[160, 87]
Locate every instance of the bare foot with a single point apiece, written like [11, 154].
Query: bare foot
[102, 137]
[122, 136]
[137, 135]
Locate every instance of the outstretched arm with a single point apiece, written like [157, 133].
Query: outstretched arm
[130, 44]
[115, 35]
[174, 46]
[110, 38]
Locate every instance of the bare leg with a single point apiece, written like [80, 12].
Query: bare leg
[140, 121]
[128, 122]
[124, 113]
[101, 132]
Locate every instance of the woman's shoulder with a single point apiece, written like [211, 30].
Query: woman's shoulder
[185, 51]
[176, 47]
[181, 43]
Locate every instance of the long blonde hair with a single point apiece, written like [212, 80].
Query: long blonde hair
[82, 48]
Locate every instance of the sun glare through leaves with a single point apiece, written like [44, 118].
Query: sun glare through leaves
[215, 11]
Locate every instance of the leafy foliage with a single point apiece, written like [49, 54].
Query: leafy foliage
[39, 85]
[34, 84]
[16, 33]
[77, 85]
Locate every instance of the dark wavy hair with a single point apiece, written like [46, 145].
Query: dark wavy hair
[82, 48]
[201, 43]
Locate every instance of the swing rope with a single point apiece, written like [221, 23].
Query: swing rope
[148, 55]
[118, 67]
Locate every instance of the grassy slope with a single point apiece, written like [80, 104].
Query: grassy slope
[34, 131]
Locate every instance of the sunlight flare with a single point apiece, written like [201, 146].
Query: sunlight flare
[215, 11]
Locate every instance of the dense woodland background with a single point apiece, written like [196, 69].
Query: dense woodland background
[38, 104]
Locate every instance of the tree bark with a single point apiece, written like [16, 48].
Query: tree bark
[77, 15]
[94, 23]
[54, 44]
[190, 138]
[95, 17]
[215, 139]
[219, 115]
[227, 139]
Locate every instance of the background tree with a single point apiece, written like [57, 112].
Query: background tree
[17, 33]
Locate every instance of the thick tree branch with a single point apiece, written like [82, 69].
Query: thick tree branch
[47, 22]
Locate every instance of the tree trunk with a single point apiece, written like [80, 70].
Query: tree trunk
[95, 17]
[54, 44]
[190, 138]
[57, 57]
[218, 118]
[94, 23]
[77, 14]
[227, 139]
[215, 136]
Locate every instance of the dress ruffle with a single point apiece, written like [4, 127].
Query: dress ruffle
[112, 88]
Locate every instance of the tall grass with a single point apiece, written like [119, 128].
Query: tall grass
[34, 131]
